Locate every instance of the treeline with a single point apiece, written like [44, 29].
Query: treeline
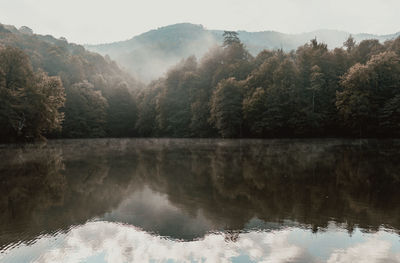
[51, 88]
[313, 91]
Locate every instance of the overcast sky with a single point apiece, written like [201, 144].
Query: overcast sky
[98, 21]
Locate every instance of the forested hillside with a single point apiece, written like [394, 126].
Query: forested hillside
[49, 87]
[149, 55]
[313, 91]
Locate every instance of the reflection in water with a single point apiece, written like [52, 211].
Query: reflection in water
[111, 242]
[265, 197]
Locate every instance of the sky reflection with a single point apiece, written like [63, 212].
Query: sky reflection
[118, 243]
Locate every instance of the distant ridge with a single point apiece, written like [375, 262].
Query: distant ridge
[148, 55]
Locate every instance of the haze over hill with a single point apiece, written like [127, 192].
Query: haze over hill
[150, 54]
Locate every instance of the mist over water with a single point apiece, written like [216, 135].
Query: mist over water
[137, 200]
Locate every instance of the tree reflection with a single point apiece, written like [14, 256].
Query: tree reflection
[310, 183]
[212, 184]
[30, 183]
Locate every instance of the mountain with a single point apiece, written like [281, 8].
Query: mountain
[150, 54]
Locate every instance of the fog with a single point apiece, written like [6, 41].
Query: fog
[121, 19]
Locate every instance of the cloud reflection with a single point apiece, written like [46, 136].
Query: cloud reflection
[122, 243]
[371, 251]
[106, 242]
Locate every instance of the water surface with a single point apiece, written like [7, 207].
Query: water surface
[185, 200]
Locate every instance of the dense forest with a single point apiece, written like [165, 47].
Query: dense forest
[51, 88]
[313, 91]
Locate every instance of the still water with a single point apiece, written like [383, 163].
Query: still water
[185, 200]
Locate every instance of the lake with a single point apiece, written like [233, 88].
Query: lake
[200, 200]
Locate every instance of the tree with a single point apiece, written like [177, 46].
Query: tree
[85, 112]
[47, 97]
[366, 91]
[174, 103]
[30, 101]
[255, 112]
[201, 93]
[226, 108]
[390, 117]
[317, 82]
[349, 44]
[236, 61]
[121, 112]
[146, 124]
[259, 96]
[230, 38]
[366, 49]
[285, 102]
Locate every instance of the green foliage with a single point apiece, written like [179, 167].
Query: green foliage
[146, 124]
[226, 108]
[302, 93]
[85, 112]
[350, 43]
[368, 91]
[366, 49]
[30, 101]
[173, 104]
[390, 116]
[74, 65]
[230, 38]
[121, 112]
[255, 112]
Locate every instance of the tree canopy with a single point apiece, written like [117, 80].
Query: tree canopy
[30, 101]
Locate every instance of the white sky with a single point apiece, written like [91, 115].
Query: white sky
[99, 21]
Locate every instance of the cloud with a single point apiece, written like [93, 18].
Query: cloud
[94, 21]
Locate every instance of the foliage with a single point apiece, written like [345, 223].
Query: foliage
[226, 108]
[369, 94]
[72, 65]
[312, 91]
[30, 101]
[85, 112]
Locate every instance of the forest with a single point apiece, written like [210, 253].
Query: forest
[50, 88]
